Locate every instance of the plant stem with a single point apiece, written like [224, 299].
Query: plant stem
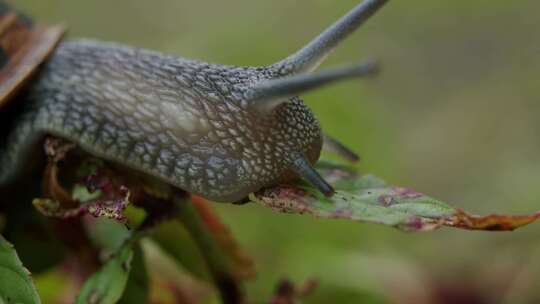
[218, 265]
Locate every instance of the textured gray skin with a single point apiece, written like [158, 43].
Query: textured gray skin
[218, 131]
[184, 122]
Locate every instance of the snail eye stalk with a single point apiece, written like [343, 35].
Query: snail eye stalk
[293, 73]
[269, 94]
[313, 54]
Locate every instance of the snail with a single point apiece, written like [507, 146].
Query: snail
[218, 131]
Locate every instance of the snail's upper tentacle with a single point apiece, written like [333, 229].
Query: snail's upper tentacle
[313, 54]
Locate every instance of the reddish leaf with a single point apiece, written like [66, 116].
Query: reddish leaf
[243, 264]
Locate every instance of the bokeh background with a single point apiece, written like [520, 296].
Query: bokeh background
[453, 114]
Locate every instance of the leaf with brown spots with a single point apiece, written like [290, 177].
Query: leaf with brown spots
[112, 208]
[369, 199]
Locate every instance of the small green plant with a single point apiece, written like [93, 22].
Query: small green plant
[108, 226]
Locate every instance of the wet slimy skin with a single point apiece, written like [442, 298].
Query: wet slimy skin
[218, 131]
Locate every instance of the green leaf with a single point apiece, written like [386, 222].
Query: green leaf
[107, 285]
[32, 233]
[107, 234]
[137, 286]
[16, 286]
[369, 199]
[173, 238]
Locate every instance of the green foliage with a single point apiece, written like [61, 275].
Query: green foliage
[367, 198]
[16, 286]
[107, 285]
[174, 239]
[136, 291]
[197, 239]
[453, 113]
[372, 201]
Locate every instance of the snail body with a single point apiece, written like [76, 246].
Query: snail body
[217, 131]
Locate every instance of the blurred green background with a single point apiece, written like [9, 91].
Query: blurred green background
[453, 114]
